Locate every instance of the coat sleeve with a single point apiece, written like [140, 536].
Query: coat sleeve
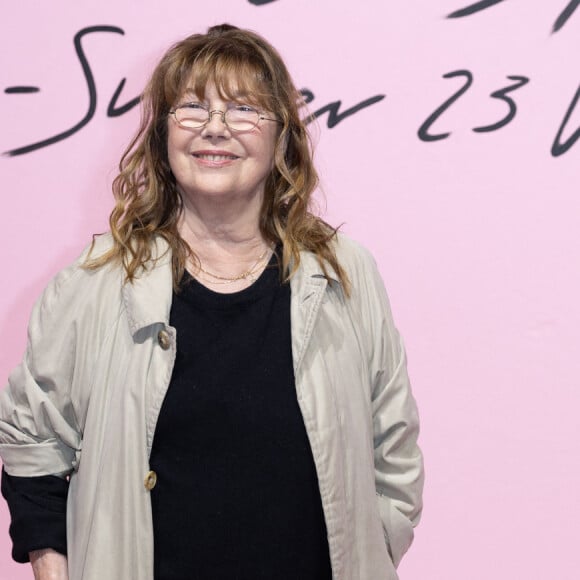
[397, 457]
[39, 434]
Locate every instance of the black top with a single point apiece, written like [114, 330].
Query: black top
[237, 495]
[38, 513]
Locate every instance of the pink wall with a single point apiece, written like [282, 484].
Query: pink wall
[477, 235]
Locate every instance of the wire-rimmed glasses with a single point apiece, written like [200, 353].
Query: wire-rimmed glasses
[237, 117]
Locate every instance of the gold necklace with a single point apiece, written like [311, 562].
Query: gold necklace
[243, 276]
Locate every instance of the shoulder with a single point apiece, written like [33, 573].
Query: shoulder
[75, 283]
[356, 259]
[77, 270]
[100, 245]
[367, 288]
[349, 251]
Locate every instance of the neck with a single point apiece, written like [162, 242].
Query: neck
[215, 226]
[229, 249]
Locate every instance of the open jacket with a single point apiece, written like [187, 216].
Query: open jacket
[86, 398]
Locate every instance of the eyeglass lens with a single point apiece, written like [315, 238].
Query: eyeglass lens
[238, 117]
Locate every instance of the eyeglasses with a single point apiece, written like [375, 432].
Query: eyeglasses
[236, 117]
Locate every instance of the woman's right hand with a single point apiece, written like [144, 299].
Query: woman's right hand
[48, 565]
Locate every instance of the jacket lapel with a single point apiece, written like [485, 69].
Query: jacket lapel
[148, 298]
[308, 286]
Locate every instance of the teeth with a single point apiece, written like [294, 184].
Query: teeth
[215, 157]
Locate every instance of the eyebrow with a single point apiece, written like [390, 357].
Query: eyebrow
[236, 96]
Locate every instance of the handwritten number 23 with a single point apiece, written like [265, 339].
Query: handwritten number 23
[501, 94]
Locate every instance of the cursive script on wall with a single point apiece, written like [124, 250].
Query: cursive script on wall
[484, 4]
[334, 110]
[559, 147]
[335, 114]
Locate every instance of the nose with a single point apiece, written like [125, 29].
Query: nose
[216, 124]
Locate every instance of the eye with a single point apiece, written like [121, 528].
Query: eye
[193, 106]
[242, 108]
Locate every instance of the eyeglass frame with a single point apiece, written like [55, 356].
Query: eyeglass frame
[211, 113]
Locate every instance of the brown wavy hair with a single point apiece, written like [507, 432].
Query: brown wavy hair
[148, 203]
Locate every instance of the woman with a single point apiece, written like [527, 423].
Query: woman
[216, 387]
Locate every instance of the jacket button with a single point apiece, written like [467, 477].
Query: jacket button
[150, 480]
[163, 339]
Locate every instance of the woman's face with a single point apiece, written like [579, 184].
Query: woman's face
[214, 161]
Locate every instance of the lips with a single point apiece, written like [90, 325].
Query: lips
[214, 156]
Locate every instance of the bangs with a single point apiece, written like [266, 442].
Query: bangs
[237, 77]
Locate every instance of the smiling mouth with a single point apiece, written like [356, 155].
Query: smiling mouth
[208, 157]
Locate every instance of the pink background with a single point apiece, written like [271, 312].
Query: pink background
[477, 235]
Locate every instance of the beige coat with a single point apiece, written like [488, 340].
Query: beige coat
[86, 398]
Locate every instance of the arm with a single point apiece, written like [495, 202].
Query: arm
[38, 513]
[39, 435]
[397, 458]
[48, 565]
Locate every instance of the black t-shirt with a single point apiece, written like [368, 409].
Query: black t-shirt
[237, 494]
